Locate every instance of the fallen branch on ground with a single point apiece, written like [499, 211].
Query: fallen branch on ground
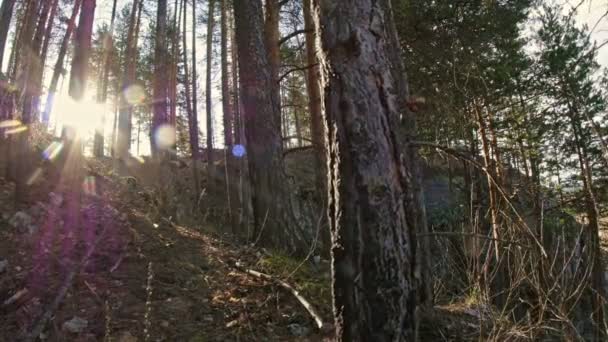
[325, 327]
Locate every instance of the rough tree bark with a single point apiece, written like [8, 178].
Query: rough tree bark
[82, 50]
[371, 216]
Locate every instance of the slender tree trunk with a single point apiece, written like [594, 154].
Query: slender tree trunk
[210, 26]
[123, 138]
[274, 212]
[597, 272]
[272, 36]
[20, 13]
[194, 133]
[160, 73]
[226, 103]
[58, 70]
[6, 14]
[108, 46]
[370, 213]
[313, 86]
[82, 50]
[236, 98]
[189, 109]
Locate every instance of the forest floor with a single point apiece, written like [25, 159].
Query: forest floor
[88, 258]
[89, 264]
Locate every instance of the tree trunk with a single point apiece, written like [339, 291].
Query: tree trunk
[21, 140]
[210, 22]
[226, 103]
[123, 138]
[82, 50]
[313, 86]
[6, 14]
[273, 211]
[160, 76]
[58, 70]
[98, 144]
[189, 108]
[194, 138]
[597, 272]
[272, 37]
[371, 216]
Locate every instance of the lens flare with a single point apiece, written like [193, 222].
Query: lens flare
[164, 136]
[88, 186]
[16, 130]
[52, 151]
[135, 94]
[10, 123]
[238, 151]
[34, 176]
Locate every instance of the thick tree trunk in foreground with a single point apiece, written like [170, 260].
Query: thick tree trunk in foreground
[82, 50]
[274, 212]
[371, 215]
[6, 14]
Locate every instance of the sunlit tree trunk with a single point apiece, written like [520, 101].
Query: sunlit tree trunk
[6, 14]
[371, 176]
[82, 50]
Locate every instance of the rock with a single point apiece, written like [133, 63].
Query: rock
[3, 265]
[126, 337]
[23, 222]
[208, 318]
[76, 325]
[298, 330]
[55, 199]
[164, 324]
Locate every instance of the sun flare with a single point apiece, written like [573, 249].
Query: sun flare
[84, 116]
